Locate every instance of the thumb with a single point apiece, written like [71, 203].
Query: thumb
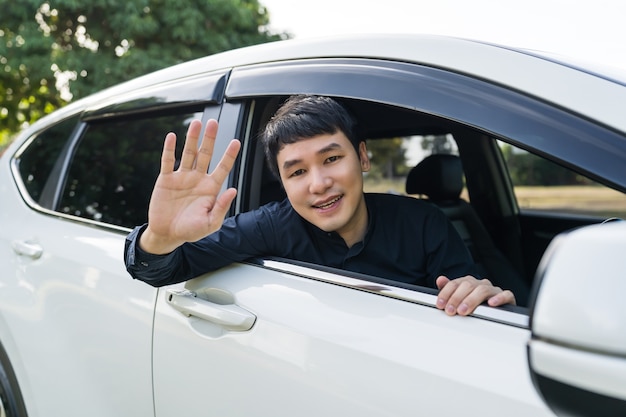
[442, 281]
[223, 202]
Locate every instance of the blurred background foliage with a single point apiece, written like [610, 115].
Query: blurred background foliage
[53, 52]
[56, 51]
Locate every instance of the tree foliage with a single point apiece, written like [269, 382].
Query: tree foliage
[438, 144]
[528, 169]
[54, 51]
[388, 158]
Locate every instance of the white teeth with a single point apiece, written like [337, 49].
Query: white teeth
[330, 203]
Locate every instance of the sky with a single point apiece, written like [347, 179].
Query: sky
[591, 31]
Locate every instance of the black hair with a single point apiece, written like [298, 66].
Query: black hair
[303, 117]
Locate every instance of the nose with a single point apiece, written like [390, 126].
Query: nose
[319, 181]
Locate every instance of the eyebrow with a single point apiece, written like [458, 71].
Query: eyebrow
[328, 148]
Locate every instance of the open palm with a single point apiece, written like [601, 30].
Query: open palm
[186, 203]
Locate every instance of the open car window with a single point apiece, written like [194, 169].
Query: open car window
[401, 141]
[392, 159]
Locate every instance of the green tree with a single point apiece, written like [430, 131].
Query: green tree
[528, 169]
[388, 159]
[54, 51]
[438, 144]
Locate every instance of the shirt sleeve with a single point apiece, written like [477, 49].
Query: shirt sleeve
[241, 237]
[156, 270]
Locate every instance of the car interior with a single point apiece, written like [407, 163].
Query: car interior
[440, 178]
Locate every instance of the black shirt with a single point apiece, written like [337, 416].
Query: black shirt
[407, 240]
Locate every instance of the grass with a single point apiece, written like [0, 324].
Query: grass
[593, 200]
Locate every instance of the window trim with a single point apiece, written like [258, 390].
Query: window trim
[509, 315]
[200, 90]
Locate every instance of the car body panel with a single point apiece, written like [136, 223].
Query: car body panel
[62, 310]
[318, 348]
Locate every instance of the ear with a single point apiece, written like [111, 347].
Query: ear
[363, 157]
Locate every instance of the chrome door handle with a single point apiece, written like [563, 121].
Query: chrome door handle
[27, 248]
[229, 316]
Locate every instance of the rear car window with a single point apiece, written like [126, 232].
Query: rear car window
[35, 164]
[115, 165]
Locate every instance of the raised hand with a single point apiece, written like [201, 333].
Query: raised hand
[186, 205]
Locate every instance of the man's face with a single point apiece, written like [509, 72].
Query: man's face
[324, 183]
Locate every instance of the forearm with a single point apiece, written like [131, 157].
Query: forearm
[230, 244]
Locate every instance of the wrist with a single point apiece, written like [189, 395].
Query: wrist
[154, 244]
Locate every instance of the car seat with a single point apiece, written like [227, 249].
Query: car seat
[440, 178]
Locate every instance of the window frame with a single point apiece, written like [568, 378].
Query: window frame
[139, 117]
[47, 195]
[478, 106]
[489, 111]
[207, 92]
[493, 109]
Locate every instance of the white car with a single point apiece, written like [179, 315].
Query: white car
[277, 337]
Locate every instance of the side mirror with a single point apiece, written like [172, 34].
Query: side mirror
[577, 352]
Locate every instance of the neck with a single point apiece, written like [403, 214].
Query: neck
[356, 230]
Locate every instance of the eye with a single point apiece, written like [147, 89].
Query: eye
[333, 158]
[296, 173]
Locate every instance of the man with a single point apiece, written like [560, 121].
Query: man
[326, 219]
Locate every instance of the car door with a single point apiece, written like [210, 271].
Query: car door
[275, 337]
[73, 324]
[76, 327]
[323, 343]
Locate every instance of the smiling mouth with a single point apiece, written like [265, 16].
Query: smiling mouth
[329, 203]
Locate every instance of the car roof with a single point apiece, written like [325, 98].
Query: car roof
[572, 87]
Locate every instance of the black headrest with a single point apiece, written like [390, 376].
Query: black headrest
[439, 176]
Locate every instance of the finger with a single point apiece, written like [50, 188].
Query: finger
[478, 295]
[446, 289]
[502, 298]
[441, 281]
[205, 153]
[222, 204]
[459, 297]
[223, 168]
[190, 150]
[168, 157]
